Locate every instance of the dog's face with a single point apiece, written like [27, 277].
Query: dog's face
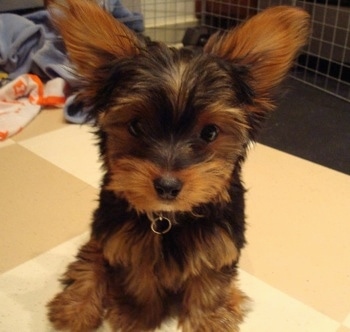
[175, 123]
[174, 130]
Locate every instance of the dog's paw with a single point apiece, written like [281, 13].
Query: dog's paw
[67, 314]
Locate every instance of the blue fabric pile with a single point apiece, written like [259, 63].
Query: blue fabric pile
[30, 44]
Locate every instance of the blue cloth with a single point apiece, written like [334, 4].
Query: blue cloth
[75, 112]
[19, 40]
[50, 60]
[132, 20]
[31, 44]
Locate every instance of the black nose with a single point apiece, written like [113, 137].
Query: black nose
[167, 187]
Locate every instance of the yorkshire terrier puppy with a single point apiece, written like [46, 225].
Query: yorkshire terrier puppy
[173, 126]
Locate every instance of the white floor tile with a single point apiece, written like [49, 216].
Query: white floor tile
[25, 290]
[71, 148]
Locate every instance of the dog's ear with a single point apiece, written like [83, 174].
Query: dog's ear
[266, 44]
[92, 36]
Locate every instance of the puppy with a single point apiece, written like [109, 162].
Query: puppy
[173, 127]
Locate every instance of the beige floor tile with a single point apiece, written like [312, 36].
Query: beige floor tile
[7, 142]
[298, 214]
[41, 206]
[47, 120]
[343, 329]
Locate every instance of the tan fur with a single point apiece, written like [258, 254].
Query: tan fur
[204, 314]
[208, 252]
[267, 43]
[126, 273]
[195, 281]
[133, 177]
[91, 44]
[80, 306]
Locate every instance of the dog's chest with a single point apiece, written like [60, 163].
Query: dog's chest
[169, 260]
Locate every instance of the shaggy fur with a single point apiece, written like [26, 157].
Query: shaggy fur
[173, 126]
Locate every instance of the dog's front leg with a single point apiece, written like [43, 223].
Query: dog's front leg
[140, 306]
[212, 304]
[79, 307]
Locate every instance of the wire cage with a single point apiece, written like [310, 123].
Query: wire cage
[324, 62]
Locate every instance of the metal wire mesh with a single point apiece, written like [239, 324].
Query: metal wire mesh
[325, 62]
[167, 20]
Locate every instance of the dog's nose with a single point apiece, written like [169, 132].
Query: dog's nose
[167, 187]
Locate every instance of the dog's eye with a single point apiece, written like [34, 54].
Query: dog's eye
[209, 133]
[135, 128]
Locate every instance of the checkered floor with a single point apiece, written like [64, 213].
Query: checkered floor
[296, 266]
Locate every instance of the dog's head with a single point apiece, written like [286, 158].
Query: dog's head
[176, 123]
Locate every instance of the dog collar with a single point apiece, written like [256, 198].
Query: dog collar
[160, 224]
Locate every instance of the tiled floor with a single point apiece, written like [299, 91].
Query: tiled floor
[296, 267]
